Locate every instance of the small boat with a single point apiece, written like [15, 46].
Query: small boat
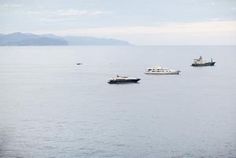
[78, 63]
[123, 79]
[201, 62]
[157, 70]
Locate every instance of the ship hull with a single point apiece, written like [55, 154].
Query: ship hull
[163, 73]
[122, 81]
[204, 64]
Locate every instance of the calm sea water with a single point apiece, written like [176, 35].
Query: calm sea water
[51, 107]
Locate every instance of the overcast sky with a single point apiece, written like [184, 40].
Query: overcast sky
[143, 22]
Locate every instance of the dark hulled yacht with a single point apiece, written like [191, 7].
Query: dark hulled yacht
[123, 79]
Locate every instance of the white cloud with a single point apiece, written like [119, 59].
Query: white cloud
[212, 32]
[10, 6]
[66, 14]
[211, 27]
[233, 8]
[212, 3]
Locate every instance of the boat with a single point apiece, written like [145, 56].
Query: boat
[78, 63]
[123, 79]
[201, 62]
[158, 70]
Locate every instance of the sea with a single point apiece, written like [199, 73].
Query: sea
[50, 107]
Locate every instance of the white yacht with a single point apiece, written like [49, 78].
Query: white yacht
[157, 70]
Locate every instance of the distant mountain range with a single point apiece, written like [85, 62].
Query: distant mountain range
[29, 39]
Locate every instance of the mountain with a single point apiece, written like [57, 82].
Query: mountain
[29, 39]
[83, 40]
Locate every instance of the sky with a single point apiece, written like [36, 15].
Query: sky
[141, 22]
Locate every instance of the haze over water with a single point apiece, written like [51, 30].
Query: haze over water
[51, 107]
